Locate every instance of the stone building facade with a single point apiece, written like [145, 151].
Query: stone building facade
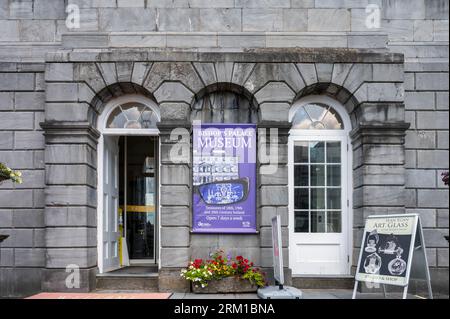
[56, 82]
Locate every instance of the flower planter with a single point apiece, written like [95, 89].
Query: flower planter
[226, 286]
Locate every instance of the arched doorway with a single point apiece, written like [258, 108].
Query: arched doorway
[320, 205]
[128, 196]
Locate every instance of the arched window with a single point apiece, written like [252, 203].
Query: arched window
[132, 116]
[224, 107]
[317, 116]
[130, 113]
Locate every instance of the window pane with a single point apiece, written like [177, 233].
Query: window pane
[317, 150]
[316, 111]
[332, 121]
[317, 222]
[334, 175]
[301, 120]
[334, 224]
[301, 175]
[148, 119]
[133, 114]
[301, 198]
[317, 175]
[334, 198]
[301, 222]
[333, 152]
[301, 152]
[317, 198]
[117, 119]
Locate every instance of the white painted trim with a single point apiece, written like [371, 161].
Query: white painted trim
[101, 125]
[159, 206]
[323, 99]
[324, 135]
[100, 172]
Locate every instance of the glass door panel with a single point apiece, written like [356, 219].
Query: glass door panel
[318, 187]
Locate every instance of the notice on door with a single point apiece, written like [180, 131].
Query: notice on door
[224, 178]
[387, 249]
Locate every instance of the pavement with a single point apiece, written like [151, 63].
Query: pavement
[308, 294]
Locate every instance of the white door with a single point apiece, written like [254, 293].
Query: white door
[318, 205]
[111, 232]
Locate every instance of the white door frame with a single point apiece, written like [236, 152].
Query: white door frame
[101, 124]
[347, 181]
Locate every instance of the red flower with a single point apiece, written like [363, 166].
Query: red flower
[197, 263]
[239, 258]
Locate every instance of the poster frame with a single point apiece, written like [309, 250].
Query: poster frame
[224, 231]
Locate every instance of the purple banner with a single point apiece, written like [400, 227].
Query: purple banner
[224, 178]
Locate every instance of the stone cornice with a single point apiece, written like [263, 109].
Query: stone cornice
[70, 128]
[380, 128]
[256, 55]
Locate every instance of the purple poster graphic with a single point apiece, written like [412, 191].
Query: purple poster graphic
[224, 178]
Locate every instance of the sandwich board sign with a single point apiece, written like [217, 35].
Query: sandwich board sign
[280, 291]
[392, 252]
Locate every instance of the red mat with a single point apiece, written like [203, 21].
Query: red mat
[101, 296]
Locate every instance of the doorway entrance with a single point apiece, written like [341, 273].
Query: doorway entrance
[138, 197]
[320, 232]
[128, 187]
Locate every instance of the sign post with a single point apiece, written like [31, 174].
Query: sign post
[392, 253]
[279, 291]
[277, 252]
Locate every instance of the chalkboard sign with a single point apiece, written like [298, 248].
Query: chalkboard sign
[392, 246]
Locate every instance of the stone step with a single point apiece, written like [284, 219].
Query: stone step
[327, 282]
[147, 283]
[142, 278]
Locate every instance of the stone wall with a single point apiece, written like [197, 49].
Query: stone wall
[427, 157]
[30, 29]
[79, 83]
[38, 26]
[22, 102]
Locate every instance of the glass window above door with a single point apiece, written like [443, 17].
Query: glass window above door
[132, 116]
[317, 116]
